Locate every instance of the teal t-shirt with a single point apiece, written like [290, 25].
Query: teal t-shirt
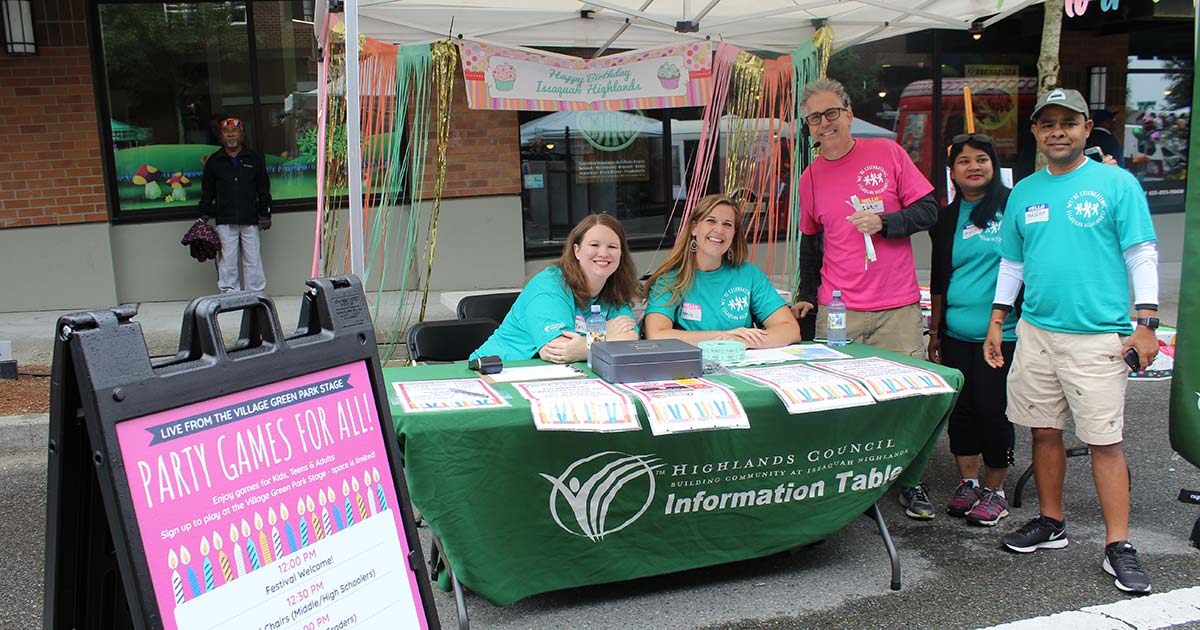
[973, 270]
[545, 307]
[1071, 231]
[728, 297]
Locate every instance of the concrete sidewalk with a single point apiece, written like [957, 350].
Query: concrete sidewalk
[32, 335]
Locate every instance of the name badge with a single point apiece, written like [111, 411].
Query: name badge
[1037, 214]
[970, 230]
[690, 312]
[580, 324]
[873, 205]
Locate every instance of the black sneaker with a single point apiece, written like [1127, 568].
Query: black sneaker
[916, 502]
[1121, 562]
[1039, 533]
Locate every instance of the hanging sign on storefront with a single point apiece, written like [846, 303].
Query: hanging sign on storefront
[506, 78]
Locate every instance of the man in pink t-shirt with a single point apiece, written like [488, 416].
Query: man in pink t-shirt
[858, 190]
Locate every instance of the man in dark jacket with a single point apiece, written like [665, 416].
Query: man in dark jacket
[236, 192]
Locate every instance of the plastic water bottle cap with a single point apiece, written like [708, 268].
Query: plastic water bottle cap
[595, 308]
[837, 294]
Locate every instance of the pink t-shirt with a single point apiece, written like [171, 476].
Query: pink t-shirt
[885, 180]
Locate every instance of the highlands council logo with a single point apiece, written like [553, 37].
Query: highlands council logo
[601, 494]
[1087, 208]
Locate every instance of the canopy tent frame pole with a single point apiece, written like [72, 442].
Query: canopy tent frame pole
[354, 141]
[620, 31]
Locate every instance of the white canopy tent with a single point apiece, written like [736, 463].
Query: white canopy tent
[764, 25]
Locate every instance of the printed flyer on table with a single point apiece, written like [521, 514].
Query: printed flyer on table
[272, 508]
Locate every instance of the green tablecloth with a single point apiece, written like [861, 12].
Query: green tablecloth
[485, 481]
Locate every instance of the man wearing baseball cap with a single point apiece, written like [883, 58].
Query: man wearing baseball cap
[1077, 234]
[236, 192]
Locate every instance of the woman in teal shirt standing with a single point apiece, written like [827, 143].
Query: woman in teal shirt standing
[965, 263]
[548, 318]
[706, 290]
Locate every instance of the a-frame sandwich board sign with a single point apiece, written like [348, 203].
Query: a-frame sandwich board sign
[256, 485]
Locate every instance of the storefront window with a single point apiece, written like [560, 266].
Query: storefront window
[1157, 122]
[173, 71]
[575, 163]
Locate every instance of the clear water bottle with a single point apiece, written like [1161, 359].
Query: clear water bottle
[835, 331]
[596, 330]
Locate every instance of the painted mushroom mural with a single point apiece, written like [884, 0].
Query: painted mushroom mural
[149, 177]
[178, 182]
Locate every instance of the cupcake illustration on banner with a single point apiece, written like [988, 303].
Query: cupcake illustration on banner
[668, 75]
[504, 75]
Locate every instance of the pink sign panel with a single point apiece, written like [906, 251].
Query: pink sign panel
[273, 508]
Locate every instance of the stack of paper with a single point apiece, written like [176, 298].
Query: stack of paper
[689, 405]
[590, 405]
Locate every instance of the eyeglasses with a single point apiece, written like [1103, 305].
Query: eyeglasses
[231, 122]
[831, 114]
[977, 137]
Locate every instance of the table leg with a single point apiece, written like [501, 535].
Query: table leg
[436, 557]
[873, 512]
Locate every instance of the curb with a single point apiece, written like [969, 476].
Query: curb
[24, 433]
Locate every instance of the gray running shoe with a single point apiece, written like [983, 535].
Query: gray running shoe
[1038, 533]
[1121, 562]
[916, 502]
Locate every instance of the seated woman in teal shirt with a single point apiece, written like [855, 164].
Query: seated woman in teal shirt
[706, 290]
[548, 318]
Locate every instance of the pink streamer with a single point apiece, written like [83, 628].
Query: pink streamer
[710, 133]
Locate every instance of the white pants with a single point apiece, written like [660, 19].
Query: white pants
[241, 239]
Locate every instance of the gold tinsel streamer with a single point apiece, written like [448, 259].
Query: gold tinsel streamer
[445, 60]
[823, 40]
[742, 110]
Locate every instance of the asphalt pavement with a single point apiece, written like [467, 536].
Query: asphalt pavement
[954, 575]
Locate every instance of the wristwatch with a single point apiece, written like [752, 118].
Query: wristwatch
[1148, 322]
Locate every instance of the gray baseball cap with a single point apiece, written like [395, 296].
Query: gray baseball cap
[1070, 99]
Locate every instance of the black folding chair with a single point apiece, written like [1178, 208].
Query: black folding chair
[449, 339]
[493, 305]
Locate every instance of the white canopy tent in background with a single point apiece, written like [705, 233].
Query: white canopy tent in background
[765, 25]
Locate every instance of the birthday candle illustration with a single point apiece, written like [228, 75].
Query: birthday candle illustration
[276, 542]
[255, 563]
[186, 559]
[367, 487]
[316, 520]
[303, 524]
[349, 508]
[379, 489]
[222, 558]
[237, 551]
[337, 511]
[176, 581]
[262, 540]
[287, 526]
[324, 514]
[362, 508]
[208, 571]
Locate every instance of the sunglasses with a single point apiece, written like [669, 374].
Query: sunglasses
[831, 114]
[977, 137]
[231, 122]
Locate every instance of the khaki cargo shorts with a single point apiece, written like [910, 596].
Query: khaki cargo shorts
[1057, 376]
[900, 329]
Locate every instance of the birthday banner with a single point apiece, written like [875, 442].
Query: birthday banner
[272, 508]
[506, 78]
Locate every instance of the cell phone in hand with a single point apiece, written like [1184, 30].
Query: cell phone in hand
[1132, 360]
[1096, 153]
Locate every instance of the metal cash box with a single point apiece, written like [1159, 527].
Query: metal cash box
[645, 360]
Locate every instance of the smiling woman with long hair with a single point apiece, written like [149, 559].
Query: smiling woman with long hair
[547, 320]
[705, 289]
[966, 261]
